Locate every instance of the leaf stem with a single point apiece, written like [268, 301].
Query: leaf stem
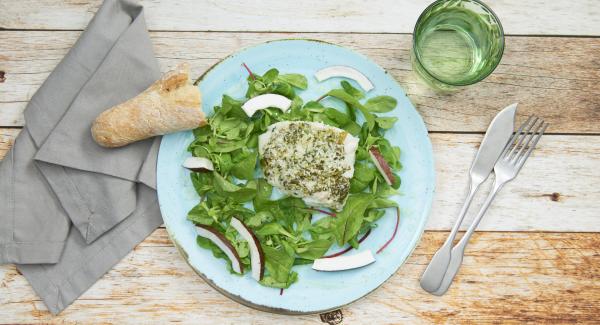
[394, 234]
[349, 248]
[322, 211]
[321, 98]
[249, 71]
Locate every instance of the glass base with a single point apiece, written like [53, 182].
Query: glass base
[429, 80]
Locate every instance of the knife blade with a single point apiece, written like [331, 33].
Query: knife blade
[493, 143]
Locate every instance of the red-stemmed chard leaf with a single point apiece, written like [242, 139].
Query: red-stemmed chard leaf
[331, 214]
[393, 234]
[249, 71]
[349, 248]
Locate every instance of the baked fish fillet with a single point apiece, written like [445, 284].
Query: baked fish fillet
[309, 160]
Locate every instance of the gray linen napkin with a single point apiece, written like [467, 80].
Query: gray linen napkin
[56, 176]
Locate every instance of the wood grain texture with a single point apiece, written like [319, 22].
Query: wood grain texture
[554, 77]
[559, 17]
[7, 139]
[556, 191]
[506, 277]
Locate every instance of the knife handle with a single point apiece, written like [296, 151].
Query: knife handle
[434, 273]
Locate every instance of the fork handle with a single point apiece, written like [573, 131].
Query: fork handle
[488, 201]
[458, 251]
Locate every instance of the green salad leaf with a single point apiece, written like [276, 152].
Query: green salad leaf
[381, 104]
[294, 79]
[348, 222]
[353, 103]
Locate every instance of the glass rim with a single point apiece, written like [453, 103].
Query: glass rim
[487, 8]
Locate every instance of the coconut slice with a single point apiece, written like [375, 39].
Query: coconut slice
[257, 257]
[342, 263]
[264, 101]
[198, 164]
[382, 165]
[344, 72]
[219, 239]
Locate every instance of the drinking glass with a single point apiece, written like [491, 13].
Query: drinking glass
[456, 43]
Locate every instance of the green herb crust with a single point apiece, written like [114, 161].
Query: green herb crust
[307, 159]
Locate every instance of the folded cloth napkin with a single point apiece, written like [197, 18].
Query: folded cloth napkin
[56, 176]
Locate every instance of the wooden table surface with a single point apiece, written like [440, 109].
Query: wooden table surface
[537, 256]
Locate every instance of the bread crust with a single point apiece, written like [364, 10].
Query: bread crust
[170, 104]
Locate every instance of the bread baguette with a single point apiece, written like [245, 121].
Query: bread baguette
[170, 104]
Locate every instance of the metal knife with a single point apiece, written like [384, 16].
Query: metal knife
[494, 141]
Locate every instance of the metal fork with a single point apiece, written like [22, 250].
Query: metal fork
[512, 159]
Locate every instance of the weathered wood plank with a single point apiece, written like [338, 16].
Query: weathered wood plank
[556, 191]
[506, 277]
[556, 78]
[7, 138]
[562, 17]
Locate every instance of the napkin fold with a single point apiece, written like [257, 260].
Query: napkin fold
[70, 209]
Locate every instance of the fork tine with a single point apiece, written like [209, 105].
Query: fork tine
[514, 137]
[510, 156]
[522, 160]
[529, 137]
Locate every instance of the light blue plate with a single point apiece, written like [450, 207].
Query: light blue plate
[314, 292]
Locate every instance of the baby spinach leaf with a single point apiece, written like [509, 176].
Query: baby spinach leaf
[318, 117]
[373, 215]
[364, 174]
[314, 249]
[381, 203]
[386, 122]
[199, 215]
[259, 218]
[338, 117]
[231, 107]
[201, 151]
[218, 145]
[350, 111]
[278, 264]
[235, 192]
[354, 243]
[271, 281]
[244, 164]
[273, 228]
[361, 154]
[270, 75]
[283, 89]
[201, 134]
[381, 104]
[397, 181]
[353, 102]
[294, 79]
[322, 228]
[351, 90]
[222, 162]
[348, 221]
[202, 182]
[302, 261]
